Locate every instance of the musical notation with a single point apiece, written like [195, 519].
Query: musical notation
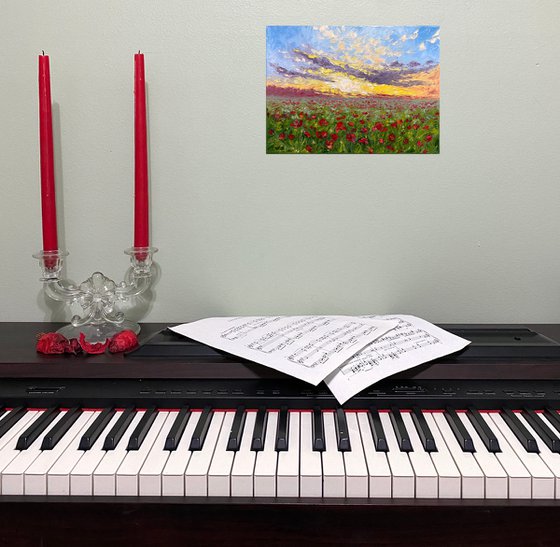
[307, 347]
[412, 342]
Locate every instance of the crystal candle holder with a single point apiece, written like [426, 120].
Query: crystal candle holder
[99, 296]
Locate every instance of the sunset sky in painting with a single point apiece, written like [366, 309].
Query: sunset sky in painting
[354, 61]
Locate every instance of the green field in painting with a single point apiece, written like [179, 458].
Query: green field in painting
[324, 125]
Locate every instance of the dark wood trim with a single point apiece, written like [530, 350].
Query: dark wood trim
[138, 524]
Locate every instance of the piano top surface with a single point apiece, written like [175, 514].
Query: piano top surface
[18, 358]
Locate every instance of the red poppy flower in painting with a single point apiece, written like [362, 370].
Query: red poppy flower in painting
[351, 137]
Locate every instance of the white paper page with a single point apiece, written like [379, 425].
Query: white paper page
[308, 347]
[412, 342]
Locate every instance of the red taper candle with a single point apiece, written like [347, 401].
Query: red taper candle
[141, 201]
[48, 198]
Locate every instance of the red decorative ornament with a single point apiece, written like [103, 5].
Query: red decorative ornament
[51, 343]
[123, 341]
[73, 346]
[93, 349]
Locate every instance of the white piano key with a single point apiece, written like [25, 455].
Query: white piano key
[13, 475]
[401, 470]
[266, 462]
[219, 473]
[449, 478]
[9, 439]
[150, 476]
[355, 462]
[81, 476]
[334, 476]
[549, 422]
[424, 470]
[311, 471]
[129, 470]
[472, 478]
[196, 473]
[380, 480]
[542, 483]
[244, 460]
[8, 442]
[287, 478]
[495, 477]
[551, 459]
[58, 475]
[104, 476]
[519, 479]
[173, 475]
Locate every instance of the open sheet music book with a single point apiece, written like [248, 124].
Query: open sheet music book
[348, 353]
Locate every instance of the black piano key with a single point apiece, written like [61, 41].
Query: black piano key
[36, 428]
[177, 429]
[282, 430]
[377, 431]
[201, 429]
[318, 432]
[234, 439]
[259, 431]
[96, 428]
[459, 430]
[426, 437]
[342, 434]
[141, 430]
[53, 436]
[553, 417]
[2, 410]
[486, 435]
[117, 431]
[546, 434]
[400, 430]
[11, 419]
[520, 431]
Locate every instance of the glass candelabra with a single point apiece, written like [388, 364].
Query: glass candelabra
[99, 296]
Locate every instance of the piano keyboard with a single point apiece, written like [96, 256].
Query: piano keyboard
[281, 453]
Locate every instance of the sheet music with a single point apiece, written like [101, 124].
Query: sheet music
[412, 342]
[308, 347]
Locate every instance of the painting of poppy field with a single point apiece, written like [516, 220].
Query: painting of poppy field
[352, 90]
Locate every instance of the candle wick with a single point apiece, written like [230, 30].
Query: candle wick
[43, 51]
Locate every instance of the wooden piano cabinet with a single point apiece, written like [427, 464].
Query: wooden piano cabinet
[149, 522]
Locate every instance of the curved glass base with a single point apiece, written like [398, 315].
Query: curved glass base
[98, 333]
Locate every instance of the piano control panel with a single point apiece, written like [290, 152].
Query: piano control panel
[430, 394]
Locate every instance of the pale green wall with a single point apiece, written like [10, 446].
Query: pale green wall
[468, 235]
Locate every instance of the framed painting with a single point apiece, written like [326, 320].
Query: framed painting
[352, 90]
